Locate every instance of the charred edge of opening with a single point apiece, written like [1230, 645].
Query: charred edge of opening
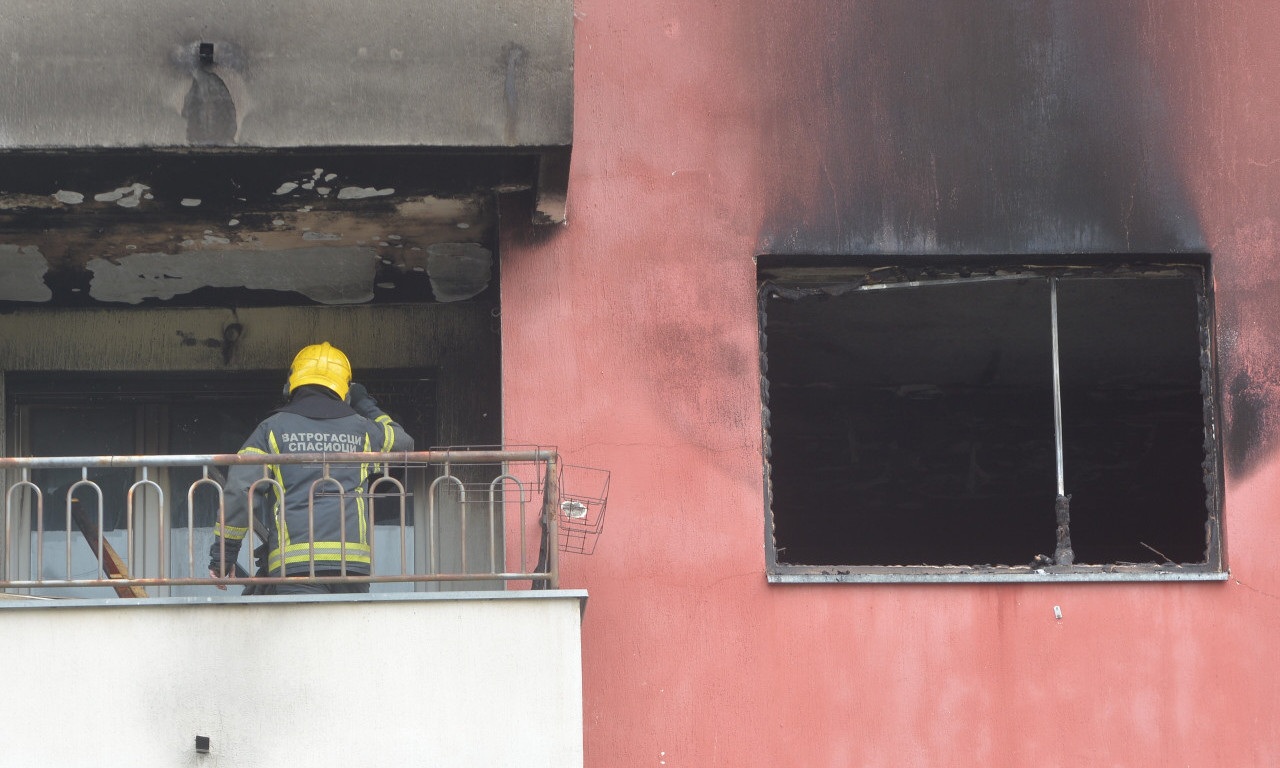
[778, 272]
[962, 573]
[762, 301]
[1062, 553]
[1211, 466]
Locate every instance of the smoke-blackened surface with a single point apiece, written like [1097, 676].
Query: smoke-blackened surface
[988, 126]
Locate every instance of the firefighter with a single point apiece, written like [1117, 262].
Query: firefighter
[326, 413]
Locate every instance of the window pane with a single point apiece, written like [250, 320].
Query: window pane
[912, 426]
[1133, 419]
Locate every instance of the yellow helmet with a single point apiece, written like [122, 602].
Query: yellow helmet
[321, 364]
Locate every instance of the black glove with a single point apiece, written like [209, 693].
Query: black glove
[362, 402]
[215, 556]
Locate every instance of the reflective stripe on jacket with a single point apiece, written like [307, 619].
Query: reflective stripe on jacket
[316, 505]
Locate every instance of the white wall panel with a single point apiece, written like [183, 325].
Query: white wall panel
[464, 680]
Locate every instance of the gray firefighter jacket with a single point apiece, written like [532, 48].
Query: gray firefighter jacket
[312, 422]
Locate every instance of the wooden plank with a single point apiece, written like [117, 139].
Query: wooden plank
[112, 563]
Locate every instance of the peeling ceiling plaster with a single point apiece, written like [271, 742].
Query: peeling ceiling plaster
[458, 271]
[22, 269]
[326, 227]
[328, 275]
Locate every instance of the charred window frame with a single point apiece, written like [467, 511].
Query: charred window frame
[993, 422]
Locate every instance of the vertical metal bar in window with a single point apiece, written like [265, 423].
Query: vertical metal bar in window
[1057, 383]
[1063, 554]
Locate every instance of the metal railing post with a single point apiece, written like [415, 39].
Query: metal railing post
[551, 502]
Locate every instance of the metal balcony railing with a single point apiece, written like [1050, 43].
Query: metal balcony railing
[488, 516]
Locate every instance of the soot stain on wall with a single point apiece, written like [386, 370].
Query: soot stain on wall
[1246, 420]
[988, 126]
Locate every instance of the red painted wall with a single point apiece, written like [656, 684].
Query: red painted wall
[709, 132]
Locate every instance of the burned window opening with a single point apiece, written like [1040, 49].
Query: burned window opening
[909, 417]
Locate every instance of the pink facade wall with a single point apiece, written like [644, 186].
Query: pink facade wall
[630, 341]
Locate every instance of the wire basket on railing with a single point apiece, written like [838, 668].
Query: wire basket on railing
[583, 493]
